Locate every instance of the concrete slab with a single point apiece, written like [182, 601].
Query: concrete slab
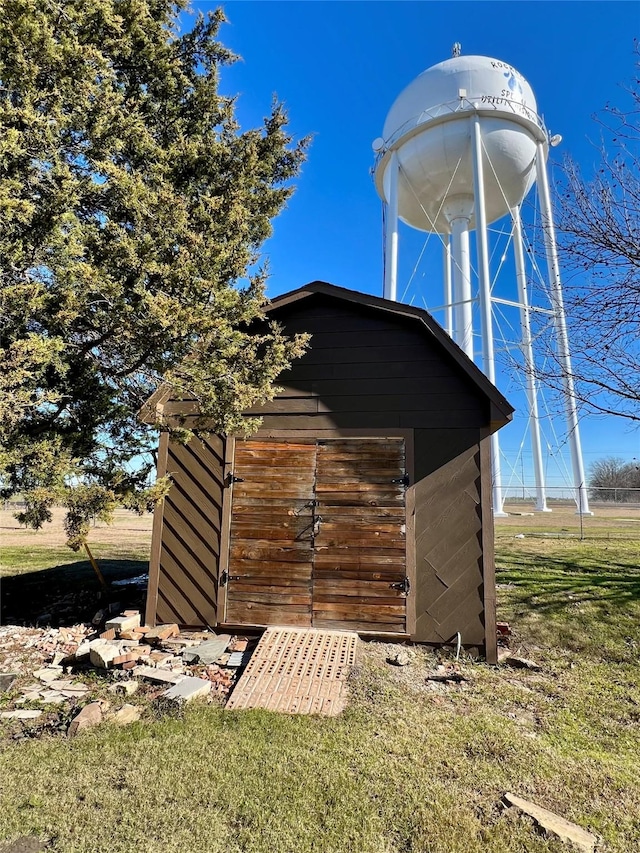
[187, 689]
[207, 652]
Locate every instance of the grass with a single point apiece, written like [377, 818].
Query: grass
[23, 559]
[404, 769]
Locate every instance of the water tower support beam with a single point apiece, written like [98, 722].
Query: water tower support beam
[529, 364]
[448, 293]
[391, 235]
[459, 217]
[484, 293]
[562, 337]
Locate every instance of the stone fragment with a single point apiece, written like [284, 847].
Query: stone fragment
[50, 673]
[161, 632]
[84, 649]
[20, 715]
[131, 613]
[401, 658]
[522, 663]
[24, 844]
[7, 680]
[91, 715]
[187, 689]
[51, 697]
[126, 687]
[207, 652]
[103, 655]
[130, 635]
[100, 616]
[164, 676]
[32, 696]
[553, 824]
[161, 658]
[123, 623]
[127, 714]
[109, 634]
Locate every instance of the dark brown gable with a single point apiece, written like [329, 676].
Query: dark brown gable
[369, 368]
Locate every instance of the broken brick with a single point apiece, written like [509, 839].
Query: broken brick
[124, 623]
[162, 632]
[126, 658]
[91, 715]
[130, 635]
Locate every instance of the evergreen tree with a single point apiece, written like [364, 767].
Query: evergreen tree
[131, 206]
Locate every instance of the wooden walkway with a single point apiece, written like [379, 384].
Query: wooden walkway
[297, 671]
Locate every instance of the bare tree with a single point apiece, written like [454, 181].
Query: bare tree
[612, 479]
[598, 224]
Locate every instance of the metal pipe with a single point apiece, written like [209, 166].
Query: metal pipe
[529, 364]
[484, 294]
[463, 311]
[562, 337]
[448, 293]
[391, 235]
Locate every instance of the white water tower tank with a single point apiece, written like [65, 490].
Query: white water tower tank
[428, 127]
[461, 147]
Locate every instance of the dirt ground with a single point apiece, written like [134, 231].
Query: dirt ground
[620, 520]
[136, 529]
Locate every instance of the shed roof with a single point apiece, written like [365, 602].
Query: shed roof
[500, 408]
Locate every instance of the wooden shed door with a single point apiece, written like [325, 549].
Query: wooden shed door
[318, 535]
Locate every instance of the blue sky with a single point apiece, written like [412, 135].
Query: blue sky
[339, 66]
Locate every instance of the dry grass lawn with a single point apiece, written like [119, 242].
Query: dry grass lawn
[408, 768]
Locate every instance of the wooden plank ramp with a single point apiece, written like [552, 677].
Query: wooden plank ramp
[297, 671]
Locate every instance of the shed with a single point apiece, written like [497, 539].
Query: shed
[363, 502]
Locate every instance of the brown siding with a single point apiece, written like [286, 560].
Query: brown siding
[191, 523]
[448, 519]
[367, 369]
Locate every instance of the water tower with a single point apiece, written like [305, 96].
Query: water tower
[461, 147]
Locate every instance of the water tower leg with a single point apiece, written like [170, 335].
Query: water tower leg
[448, 293]
[391, 235]
[555, 286]
[459, 215]
[529, 364]
[484, 293]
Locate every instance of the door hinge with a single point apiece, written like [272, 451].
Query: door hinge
[404, 586]
[231, 478]
[225, 577]
[403, 481]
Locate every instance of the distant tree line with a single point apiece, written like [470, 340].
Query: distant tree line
[613, 479]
